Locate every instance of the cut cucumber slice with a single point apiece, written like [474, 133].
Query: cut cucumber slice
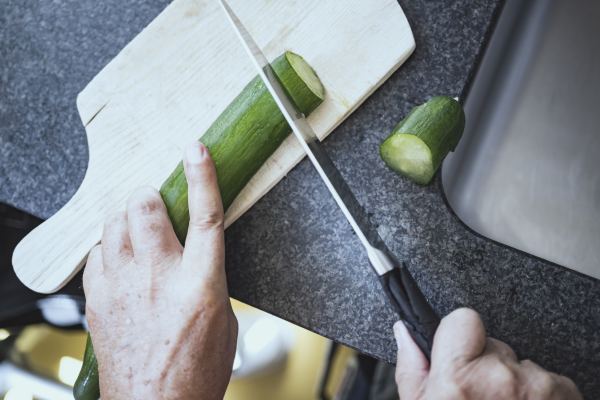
[419, 143]
[306, 74]
[409, 155]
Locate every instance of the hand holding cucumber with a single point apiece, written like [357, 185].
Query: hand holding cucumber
[159, 314]
[240, 140]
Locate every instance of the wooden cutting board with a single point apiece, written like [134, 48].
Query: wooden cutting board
[171, 82]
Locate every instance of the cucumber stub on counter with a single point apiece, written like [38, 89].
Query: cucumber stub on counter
[419, 143]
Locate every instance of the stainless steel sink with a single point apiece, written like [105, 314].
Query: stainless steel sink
[527, 171]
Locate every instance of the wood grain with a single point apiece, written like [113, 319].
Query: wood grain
[171, 82]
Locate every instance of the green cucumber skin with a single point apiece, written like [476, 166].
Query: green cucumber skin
[439, 123]
[241, 139]
[87, 385]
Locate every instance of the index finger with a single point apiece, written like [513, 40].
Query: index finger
[204, 239]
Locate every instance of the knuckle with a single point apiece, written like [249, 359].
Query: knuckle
[145, 200]
[505, 379]
[568, 384]
[208, 220]
[502, 351]
[454, 389]
[450, 383]
[542, 384]
[115, 218]
[154, 227]
[459, 383]
[545, 385]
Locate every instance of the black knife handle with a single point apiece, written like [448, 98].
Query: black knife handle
[412, 306]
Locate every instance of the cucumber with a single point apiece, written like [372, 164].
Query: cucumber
[240, 140]
[87, 385]
[418, 144]
[246, 134]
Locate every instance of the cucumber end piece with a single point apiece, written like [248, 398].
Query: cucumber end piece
[408, 155]
[306, 73]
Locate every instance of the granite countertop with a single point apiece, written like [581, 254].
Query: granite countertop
[293, 254]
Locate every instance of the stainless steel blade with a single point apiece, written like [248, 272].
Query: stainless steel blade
[356, 216]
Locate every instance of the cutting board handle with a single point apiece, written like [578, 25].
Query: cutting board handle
[39, 260]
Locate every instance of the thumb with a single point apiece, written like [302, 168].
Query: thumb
[204, 239]
[412, 368]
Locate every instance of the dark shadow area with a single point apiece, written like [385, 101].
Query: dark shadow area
[21, 306]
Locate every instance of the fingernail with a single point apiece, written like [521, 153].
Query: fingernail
[195, 152]
[400, 333]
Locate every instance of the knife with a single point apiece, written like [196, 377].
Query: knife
[398, 284]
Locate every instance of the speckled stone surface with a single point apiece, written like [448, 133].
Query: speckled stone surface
[293, 254]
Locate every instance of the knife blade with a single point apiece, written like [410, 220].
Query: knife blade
[398, 284]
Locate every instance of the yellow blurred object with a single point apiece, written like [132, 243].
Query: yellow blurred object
[297, 379]
[41, 349]
[339, 370]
